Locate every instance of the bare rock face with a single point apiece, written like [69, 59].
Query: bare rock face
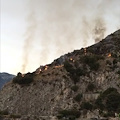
[71, 80]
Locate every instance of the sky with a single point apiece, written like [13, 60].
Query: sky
[35, 32]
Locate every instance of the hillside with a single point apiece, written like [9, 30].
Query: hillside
[84, 84]
[4, 78]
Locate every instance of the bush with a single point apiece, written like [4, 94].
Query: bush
[99, 104]
[94, 66]
[118, 72]
[75, 88]
[90, 87]
[113, 101]
[69, 68]
[91, 61]
[4, 112]
[115, 61]
[78, 97]
[72, 71]
[80, 72]
[109, 100]
[109, 114]
[74, 78]
[69, 114]
[27, 79]
[114, 55]
[108, 62]
[15, 116]
[86, 105]
[108, 91]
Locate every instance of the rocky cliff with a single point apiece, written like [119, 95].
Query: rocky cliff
[70, 87]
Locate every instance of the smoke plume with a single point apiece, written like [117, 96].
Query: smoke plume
[29, 39]
[60, 26]
[99, 30]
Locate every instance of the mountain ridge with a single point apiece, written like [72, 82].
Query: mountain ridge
[4, 78]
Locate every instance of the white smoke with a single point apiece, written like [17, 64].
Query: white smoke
[60, 26]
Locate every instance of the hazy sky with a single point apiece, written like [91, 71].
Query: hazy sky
[35, 32]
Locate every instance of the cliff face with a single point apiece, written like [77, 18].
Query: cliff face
[66, 83]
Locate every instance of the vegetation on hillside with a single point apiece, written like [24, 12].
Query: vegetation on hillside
[109, 101]
[91, 61]
[74, 72]
[71, 114]
[26, 79]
